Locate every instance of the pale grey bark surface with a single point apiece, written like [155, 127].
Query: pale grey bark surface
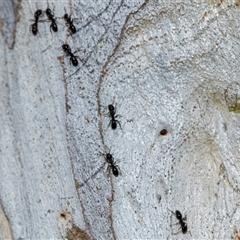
[164, 65]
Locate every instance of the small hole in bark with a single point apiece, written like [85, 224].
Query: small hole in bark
[63, 215]
[163, 132]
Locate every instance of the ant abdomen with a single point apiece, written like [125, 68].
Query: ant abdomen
[110, 160]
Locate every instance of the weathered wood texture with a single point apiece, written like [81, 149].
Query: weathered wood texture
[8, 19]
[170, 65]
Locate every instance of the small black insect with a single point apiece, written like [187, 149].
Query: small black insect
[112, 115]
[67, 50]
[69, 23]
[34, 26]
[51, 18]
[181, 221]
[110, 160]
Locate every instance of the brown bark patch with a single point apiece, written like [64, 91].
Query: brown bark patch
[76, 233]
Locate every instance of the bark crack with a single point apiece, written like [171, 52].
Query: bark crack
[102, 74]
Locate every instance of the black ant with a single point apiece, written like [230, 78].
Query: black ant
[69, 23]
[34, 26]
[51, 18]
[66, 48]
[110, 160]
[181, 221]
[112, 115]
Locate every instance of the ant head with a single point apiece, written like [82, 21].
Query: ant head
[110, 107]
[48, 11]
[178, 214]
[66, 48]
[108, 156]
[65, 16]
[38, 13]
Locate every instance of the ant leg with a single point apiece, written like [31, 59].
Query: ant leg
[172, 211]
[175, 224]
[177, 232]
[109, 124]
[69, 32]
[62, 42]
[185, 218]
[77, 56]
[81, 60]
[53, 9]
[65, 10]
[115, 163]
[119, 124]
[101, 154]
[47, 4]
[115, 110]
[183, 233]
[109, 149]
[30, 27]
[106, 114]
[109, 169]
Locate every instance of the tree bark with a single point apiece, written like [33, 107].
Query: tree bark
[171, 71]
